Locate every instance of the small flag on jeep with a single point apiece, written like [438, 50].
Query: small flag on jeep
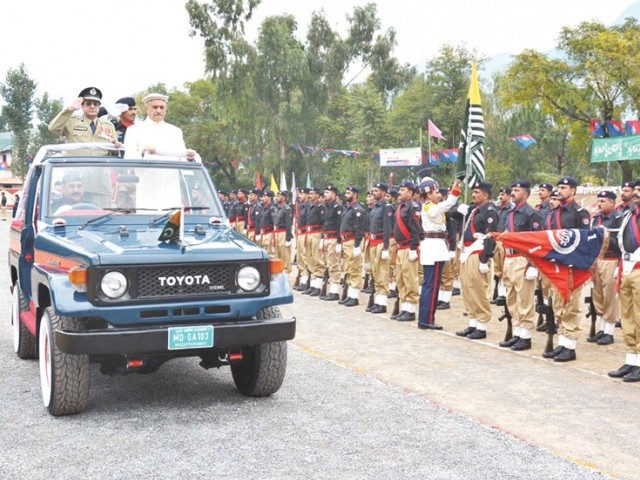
[171, 231]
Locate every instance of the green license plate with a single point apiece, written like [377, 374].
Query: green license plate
[181, 338]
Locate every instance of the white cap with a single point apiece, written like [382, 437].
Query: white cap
[155, 96]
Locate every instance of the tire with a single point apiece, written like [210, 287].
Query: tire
[261, 371]
[64, 378]
[24, 344]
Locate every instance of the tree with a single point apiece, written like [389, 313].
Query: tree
[46, 110]
[18, 92]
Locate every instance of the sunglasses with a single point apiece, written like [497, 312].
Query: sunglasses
[91, 103]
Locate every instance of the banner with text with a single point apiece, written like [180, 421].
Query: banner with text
[400, 157]
[615, 149]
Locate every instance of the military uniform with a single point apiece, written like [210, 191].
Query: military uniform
[352, 229]
[451, 267]
[498, 254]
[264, 231]
[241, 214]
[519, 276]
[301, 245]
[253, 217]
[283, 235]
[315, 262]
[380, 223]
[330, 231]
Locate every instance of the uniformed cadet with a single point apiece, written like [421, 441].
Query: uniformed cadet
[407, 233]
[313, 244]
[264, 231]
[568, 215]
[626, 197]
[544, 192]
[224, 199]
[380, 222]
[352, 228]
[282, 232]
[242, 204]
[366, 252]
[300, 212]
[233, 201]
[474, 261]
[392, 198]
[503, 204]
[434, 249]
[603, 293]
[629, 243]
[330, 246]
[519, 275]
[253, 213]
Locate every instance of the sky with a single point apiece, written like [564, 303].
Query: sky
[124, 46]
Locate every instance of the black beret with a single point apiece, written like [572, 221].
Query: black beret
[628, 183]
[284, 193]
[521, 184]
[268, 193]
[129, 101]
[222, 192]
[91, 93]
[381, 186]
[407, 184]
[235, 192]
[637, 184]
[555, 192]
[546, 186]
[572, 182]
[394, 192]
[303, 189]
[606, 194]
[332, 188]
[316, 189]
[484, 186]
[353, 189]
[504, 190]
[257, 191]
[243, 190]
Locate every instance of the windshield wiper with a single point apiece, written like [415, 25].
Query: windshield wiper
[112, 210]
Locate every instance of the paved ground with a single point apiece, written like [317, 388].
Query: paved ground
[572, 410]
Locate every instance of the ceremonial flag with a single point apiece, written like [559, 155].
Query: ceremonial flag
[615, 128]
[308, 185]
[434, 131]
[433, 159]
[471, 151]
[283, 182]
[274, 185]
[258, 181]
[523, 141]
[449, 155]
[595, 128]
[632, 127]
[563, 256]
[172, 229]
[294, 189]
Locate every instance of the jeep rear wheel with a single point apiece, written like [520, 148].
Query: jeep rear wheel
[261, 371]
[64, 378]
[24, 344]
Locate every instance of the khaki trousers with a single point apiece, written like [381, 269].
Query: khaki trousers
[238, 226]
[380, 270]
[567, 313]
[474, 289]
[315, 262]
[281, 251]
[407, 277]
[352, 265]
[332, 260]
[604, 294]
[629, 308]
[498, 260]
[520, 292]
[267, 242]
[301, 255]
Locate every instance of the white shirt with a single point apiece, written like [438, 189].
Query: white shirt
[164, 137]
[433, 220]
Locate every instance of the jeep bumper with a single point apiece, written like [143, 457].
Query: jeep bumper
[155, 339]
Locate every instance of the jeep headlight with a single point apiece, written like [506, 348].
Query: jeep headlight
[248, 278]
[114, 284]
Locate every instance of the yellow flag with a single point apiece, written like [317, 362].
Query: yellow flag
[274, 185]
[171, 231]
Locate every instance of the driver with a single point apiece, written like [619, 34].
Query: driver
[198, 195]
[72, 193]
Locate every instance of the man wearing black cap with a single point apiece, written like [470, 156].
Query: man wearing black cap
[626, 197]
[313, 242]
[253, 213]
[351, 240]
[629, 243]
[392, 198]
[265, 228]
[127, 116]
[331, 247]
[519, 275]
[380, 223]
[568, 215]
[474, 259]
[603, 292]
[502, 207]
[242, 204]
[282, 233]
[544, 193]
[300, 213]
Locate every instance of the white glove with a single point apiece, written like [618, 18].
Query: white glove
[385, 255]
[258, 238]
[287, 243]
[338, 248]
[367, 266]
[452, 254]
[321, 245]
[245, 232]
[357, 251]
[615, 274]
[483, 268]
[463, 209]
[531, 273]
[413, 255]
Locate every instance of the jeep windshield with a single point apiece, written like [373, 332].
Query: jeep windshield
[97, 189]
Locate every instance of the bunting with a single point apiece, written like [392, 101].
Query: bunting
[523, 141]
[471, 162]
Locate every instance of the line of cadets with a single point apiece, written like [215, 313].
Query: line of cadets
[404, 243]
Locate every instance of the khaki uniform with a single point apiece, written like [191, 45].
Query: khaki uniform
[629, 242]
[352, 236]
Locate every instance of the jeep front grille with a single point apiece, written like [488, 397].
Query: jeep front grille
[173, 281]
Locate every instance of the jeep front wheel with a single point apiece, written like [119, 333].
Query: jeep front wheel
[261, 371]
[64, 378]
[24, 344]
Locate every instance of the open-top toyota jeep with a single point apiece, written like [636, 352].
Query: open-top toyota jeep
[129, 264]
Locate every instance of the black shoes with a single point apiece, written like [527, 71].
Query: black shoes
[443, 306]
[368, 290]
[477, 334]
[315, 292]
[406, 317]
[556, 351]
[596, 337]
[521, 344]
[509, 343]
[455, 291]
[351, 302]
[378, 309]
[622, 371]
[632, 376]
[429, 326]
[393, 294]
[332, 297]
[466, 331]
[343, 301]
[398, 315]
[566, 355]
[606, 339]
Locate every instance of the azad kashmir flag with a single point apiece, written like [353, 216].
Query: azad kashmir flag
[172, 231]
[564, 256]
[470, 165]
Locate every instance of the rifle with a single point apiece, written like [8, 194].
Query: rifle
[296, 284]
[396, 306]
[591, 313]
[345, 288]
[551, 326]
[541, 308]
[325, 281]
[366, 281]
[496, 282]
[373, 292]
[506, 316]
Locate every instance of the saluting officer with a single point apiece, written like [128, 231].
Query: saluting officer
[407, 233]
[351, 239]
[380, 223]
[330, 231]
[603, 293]
[264, 230]
[253, 213]
[518, 275]
[282, 230]
[300, 213]
[313, 244]
[568, 215]
[629, 243]
[474, 268]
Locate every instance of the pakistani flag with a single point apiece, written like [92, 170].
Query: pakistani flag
[470, 166]
[172, 230]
